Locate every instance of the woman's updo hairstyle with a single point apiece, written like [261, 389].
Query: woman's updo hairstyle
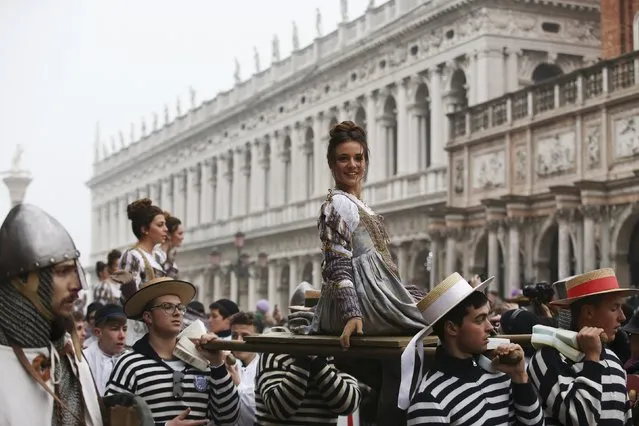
[141, 214]
[346, 131]
[172, 222]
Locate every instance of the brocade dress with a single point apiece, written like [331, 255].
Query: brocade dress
[360, 278]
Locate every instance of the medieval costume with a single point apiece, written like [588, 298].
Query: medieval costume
[45, 378]
[360, 277]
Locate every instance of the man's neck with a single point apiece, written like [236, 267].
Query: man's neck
[249, 359]
[453, 350]
[162, 345]
[105, 352]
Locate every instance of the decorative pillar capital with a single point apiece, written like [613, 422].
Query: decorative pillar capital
[592, 211]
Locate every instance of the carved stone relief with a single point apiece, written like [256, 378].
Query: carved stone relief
[556, 154]
[459, 176]
[521, 164]
[593, 144]
[489, 170]
[626, 137]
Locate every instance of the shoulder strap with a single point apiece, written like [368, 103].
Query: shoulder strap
[31, 370]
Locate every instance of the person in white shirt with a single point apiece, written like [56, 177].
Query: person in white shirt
[110, 331]
[243, 373]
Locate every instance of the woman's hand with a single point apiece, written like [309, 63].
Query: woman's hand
[353, 325]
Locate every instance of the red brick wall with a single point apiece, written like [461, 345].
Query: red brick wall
[616, 26]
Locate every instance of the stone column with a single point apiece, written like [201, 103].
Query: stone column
[283, 189]
[95, 229]
[512, 70]
[591, 214]
[225, 186]
[239, 188]
[451, 250]
[190, 217]
[293, 279]
[317, 272]
[564, 217]
[217, 286]
[514, 273]
[104, 227]
[278, 155]
[384, 133]
[179, 186]
[273, 274]
[166, 185]
[490, 75]
[437, 137]
[263, 182]
[252, 288]
[154, 194]
[256, 178]
[298, 163]
[493, 250]
[235, 295]
[405, 147]
[320, 167]
[604, 250]
[206, 192]
[435, 249]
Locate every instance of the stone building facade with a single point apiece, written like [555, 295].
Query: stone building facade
[253, 159]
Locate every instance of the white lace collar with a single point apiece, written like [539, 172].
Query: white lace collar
[355, 200]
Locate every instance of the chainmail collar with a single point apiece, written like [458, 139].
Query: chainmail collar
[20, 321]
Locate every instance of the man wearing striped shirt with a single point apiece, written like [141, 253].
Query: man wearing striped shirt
[302, 391]
[592, 391]
[457, 390]
[177, 393]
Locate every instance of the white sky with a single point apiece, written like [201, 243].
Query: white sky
[64, 65]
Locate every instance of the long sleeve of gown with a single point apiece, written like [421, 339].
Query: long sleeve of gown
[338, 220]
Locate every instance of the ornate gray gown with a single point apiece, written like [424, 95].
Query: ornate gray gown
[359, 275]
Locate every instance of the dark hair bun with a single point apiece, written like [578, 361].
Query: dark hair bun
[346, 131]
[134, 209]
[349, 128]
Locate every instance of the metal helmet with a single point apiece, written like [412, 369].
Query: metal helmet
[31, 239]
[299, 294]
[564, 318]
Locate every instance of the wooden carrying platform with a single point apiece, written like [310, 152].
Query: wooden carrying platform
[361, 346]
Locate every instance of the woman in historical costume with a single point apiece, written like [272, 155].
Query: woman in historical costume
[362, 291]
[148, 224]
[168, 249]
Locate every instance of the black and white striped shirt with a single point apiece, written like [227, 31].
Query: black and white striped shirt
[459, 392]
[582, 393]
[298, 391]
[143, 373]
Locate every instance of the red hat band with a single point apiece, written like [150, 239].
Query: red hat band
[593, 282]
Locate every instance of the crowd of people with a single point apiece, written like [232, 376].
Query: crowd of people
[67, 364]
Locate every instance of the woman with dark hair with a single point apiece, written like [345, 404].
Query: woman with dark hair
[142, 261]
[168, 249]
[362, 290]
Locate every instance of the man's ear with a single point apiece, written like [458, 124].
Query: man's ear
[146, 317]
[97, 332]
[587, 312]
[451, 329]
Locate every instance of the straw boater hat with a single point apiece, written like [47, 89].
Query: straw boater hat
[134, 306]
[437, 303]
[599, 281]
[445, 296]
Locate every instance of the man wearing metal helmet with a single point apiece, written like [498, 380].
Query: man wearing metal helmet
[45, 379]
